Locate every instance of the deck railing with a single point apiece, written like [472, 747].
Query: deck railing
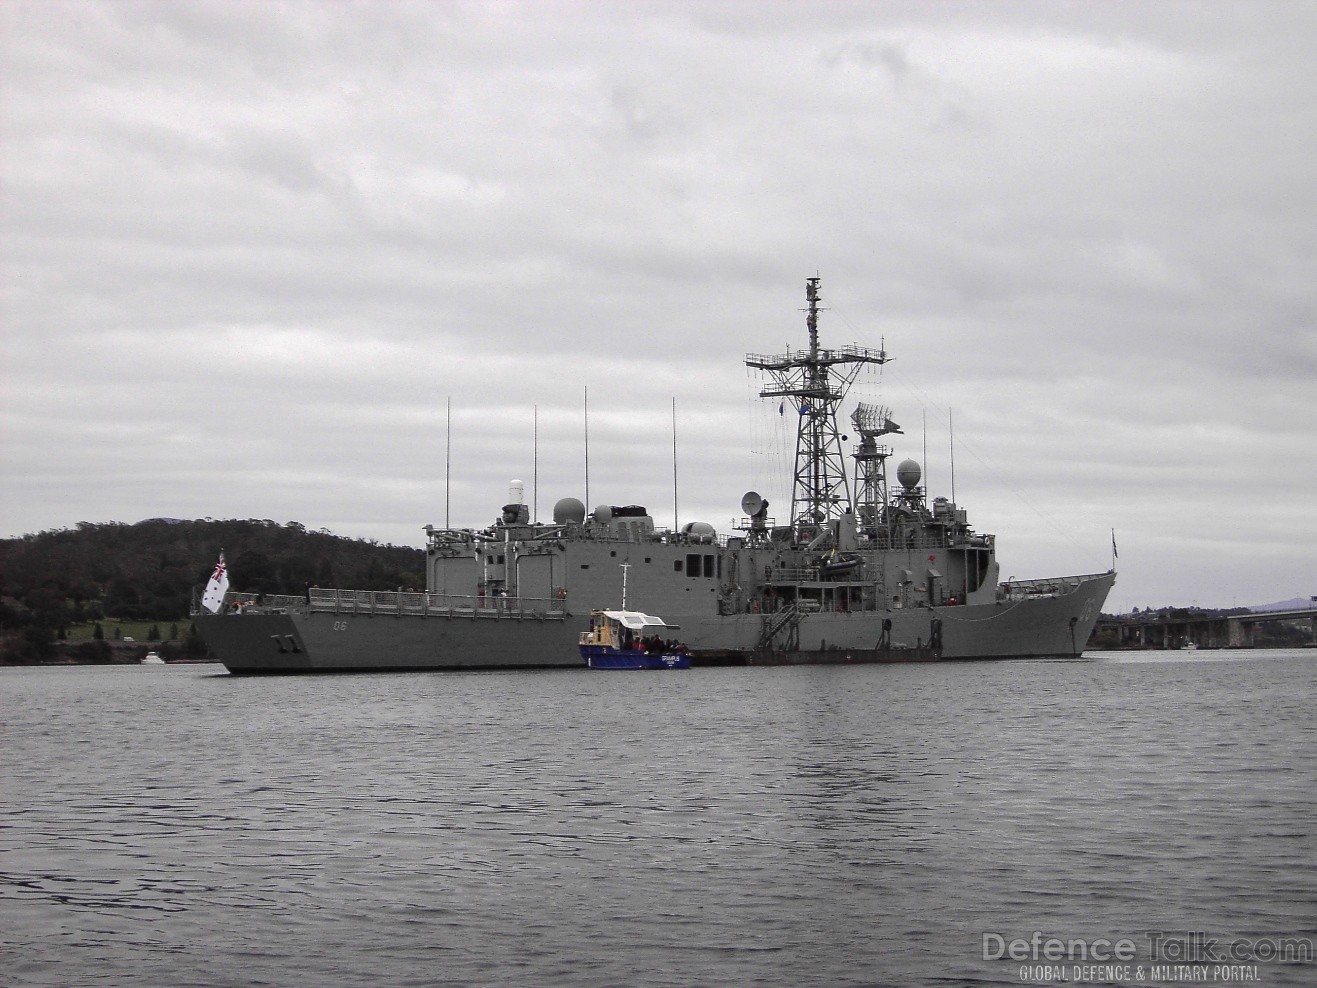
[401, 603]
[1057, 586]
[421, 604]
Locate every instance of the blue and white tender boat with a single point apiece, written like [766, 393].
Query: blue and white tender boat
[630, 640]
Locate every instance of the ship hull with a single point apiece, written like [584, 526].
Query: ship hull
[1035, 627]
[603, 657]
[298, 639]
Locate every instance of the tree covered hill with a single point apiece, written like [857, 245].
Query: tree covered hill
[151, 570]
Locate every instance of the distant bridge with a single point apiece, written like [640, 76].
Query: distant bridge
[1202, 630]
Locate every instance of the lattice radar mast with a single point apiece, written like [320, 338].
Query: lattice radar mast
[872, 421]
[813, 383]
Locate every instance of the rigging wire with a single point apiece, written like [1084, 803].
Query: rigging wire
[927, 402]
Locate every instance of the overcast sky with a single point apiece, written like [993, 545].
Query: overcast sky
[252, 251]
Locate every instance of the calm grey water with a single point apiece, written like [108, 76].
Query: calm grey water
[824, 826]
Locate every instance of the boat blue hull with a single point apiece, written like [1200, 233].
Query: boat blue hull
[602, 657]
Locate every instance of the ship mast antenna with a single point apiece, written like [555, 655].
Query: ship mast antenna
[448, 462]
[587, 444]
[675, 520]
[535, 474]
[817, 381]
[871, 422]
[951, 432]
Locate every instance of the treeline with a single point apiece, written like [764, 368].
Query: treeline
[152, 571]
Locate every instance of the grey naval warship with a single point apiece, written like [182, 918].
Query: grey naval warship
[859, 573]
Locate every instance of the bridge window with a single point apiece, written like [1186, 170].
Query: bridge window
[692, 565]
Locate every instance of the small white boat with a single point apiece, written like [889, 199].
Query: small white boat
[152, 659]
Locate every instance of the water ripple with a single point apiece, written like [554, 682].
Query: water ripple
[847, 826]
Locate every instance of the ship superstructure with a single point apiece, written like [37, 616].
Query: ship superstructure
[858, 573]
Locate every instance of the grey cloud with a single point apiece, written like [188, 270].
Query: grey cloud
[1086, 228]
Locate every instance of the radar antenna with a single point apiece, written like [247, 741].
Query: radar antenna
[816, 382]
[871, 421]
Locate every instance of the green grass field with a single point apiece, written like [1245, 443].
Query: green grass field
[119, 630]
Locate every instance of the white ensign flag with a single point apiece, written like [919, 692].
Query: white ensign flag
[218, 586]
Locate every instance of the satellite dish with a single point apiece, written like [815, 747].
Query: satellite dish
[603, 513]
[752, 503]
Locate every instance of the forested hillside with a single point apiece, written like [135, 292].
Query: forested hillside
[151, 570]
